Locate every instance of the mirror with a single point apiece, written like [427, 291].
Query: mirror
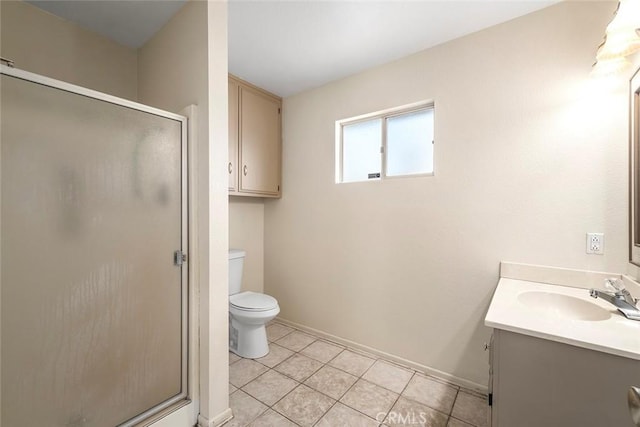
[634, 175]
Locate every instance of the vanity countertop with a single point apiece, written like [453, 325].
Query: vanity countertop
[611, 332]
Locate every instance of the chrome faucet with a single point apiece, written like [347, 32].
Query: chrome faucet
[619, 297]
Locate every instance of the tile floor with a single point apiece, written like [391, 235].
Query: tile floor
[308, 381]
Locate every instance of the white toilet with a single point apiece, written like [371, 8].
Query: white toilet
[248, 313]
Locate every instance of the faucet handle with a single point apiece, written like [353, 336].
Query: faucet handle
[621, 291]
[614, 284]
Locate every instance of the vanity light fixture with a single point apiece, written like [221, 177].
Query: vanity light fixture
[621, 39]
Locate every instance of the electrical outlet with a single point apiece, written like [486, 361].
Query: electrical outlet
[595, 243]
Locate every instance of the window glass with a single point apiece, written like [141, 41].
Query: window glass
[392, 143]
[410, 143]
[361, 144]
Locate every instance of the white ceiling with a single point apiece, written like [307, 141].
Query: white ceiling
[128, 22]
[289, 46]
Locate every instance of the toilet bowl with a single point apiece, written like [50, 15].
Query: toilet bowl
[248, 313]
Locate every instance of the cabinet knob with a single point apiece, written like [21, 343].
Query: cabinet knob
[244, 170]
[230, 167]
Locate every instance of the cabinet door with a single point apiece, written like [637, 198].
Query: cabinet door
[543, 383]
[259, 142]
[233, 135]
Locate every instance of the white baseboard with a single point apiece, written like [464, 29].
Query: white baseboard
[218, 420]
[470, 385]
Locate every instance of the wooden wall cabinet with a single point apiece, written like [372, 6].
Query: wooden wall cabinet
[255, 142]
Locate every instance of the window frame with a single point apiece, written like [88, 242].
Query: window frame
[383, 116]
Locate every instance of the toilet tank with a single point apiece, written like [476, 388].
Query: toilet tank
[236, 261]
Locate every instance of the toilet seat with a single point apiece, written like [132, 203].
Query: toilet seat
[252, 301]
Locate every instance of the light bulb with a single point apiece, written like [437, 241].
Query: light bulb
[622, 41]
[610, 66]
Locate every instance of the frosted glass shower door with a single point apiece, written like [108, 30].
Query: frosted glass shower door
[93, 318]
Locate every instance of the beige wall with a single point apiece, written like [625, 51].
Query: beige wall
[45, 44]
[218, 235]
[186, 63]
[530, 154]
[246, 231]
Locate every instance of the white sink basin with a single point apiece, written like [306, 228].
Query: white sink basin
[561, 306]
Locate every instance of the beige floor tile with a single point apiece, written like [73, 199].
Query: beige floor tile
[275, 331]
[233, 358]
[232, 388]
[370, 399]
[276, 355]
[245, 370]
[432, 393]
[351, 362]
[322, 351]
[296, 341]
[271, 419]
[245, 409]
[270, 387]
[408, 412]
[388, 376]
[304, 406]
[298, 367]
[340, 415]
[457, 423]
[331, 381]
[471, 409]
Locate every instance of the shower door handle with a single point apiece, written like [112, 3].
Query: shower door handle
[179, 258]
[634, 404]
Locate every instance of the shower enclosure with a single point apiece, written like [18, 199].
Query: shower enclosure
[93, 280]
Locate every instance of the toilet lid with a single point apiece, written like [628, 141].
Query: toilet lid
[253, 301]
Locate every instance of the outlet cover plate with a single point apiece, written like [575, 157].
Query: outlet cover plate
[595, 243]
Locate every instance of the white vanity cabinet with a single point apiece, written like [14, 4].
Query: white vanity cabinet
[537, 382]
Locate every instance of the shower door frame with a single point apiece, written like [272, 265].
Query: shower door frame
[188, 370]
